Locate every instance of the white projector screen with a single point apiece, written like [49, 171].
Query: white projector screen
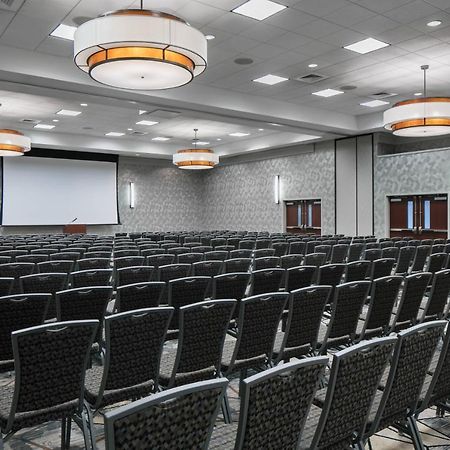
[53, 191]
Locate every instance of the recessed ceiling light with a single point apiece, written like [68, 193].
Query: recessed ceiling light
[275, 124]
[200, 143]
[55, 120]
[313, 65]
[259, 9]
[239, 134]
[142, 111]
[160, 138]
[44, 126]
[218, 139]
[374, 103]
[327, 92]
[434, 23]
[146, 122]
[366, 46]
[270, 79]
[68, 112]
[209, 37]
[114, 134]
[83, 104]
[260, 129]
[64, 32]
[417, 94]
[130, 129]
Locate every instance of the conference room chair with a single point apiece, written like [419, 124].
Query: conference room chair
[203, 249]
[382, 267]
[390, 252]
[227, 248]
[345, 309]
[134, 274]
[437, 248]
[420, 258]
[156, 260]
[44, 251]
[262, 243]
[357, 271]
[58, 266]
[48, 387]
[405, 259]
[216, 255]
[237, 265]
[6, 285]
[147, 246]
[247, 245]
[311, 245]
[16, 270]
[435, 306]
[197, 356]
[355, 251]
[370, 245]
[72, 256]
[408, 307]
[207, 268]
[338, 417]
[339, 253]
[437, 262]
[193, 408]
[90, 277]
[281, 248]
[125, 253]
[18, 312]
[300, 277]
[330, 275]
[372, 254]
[35, 258]
[233, 241]
[291, 260]
[127, 261]
[97, 254]
[266, 262]
[397, 403]
[323, 249]
[93, 263]
[139, 296]
[289, 388]
[216, 242]
[301, 324]
[8, 259]
[263, 253]
[189, 258]
[413, 243]
[385, 243]
[99, 248]
[27, 247]
[297, 248]
[375, 320]
[315, 259]
[179, 250]
[266, 280]
[400, 243]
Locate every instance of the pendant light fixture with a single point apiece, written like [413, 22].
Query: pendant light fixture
[426, 116]
[13, 143]
[140, 49]
[195, 158]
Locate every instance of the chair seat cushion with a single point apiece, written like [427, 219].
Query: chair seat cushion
[288, 352]
[223, 437]
[228, 367]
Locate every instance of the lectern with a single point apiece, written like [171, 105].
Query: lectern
[74, 228]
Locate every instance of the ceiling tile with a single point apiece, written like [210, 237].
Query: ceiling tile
[320, 8]
[290, 19]
[418, 43]
[381, 6]
[349, 15]
[375, 24]
[343, 37]
[290, 40]
[412, 11]
[319, 28]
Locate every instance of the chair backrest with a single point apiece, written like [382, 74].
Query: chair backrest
[437, 300]
[263, 253]
[266, 263]
[262, 243]
[93, 277]
[405, 258]
[189, 258]
[338, 253]
[146, 252]
[422, 253]
[128, 261]
[134, 274]
[43, 283]
[266, 280]
[306, 308]
[381, 268]
[437, 262]
[357, 270]
[71, 256]
[411, 299]
[372, 254]
[258, 321]
[281, 248]
[203, 327]
[315, 259]
[6, 286]
[173, 271]
[139, 295]
[230, 285]
[289, 388]
[390, 252]
[300, 277]
[346, 307]
[36, 258]
[297, 247]
[355, 251]
[83, 303]
[247, 244]
[354, 378]
[125, 252]
[149, 422]
[310, 246]
[237, 265]
[412, 356]
[16, 270]
[207, 268]
[291, 260]
[186, 291]
[127, 361]
[60, 266]
[331, 274]
[97, 254]
[240, 253]
[383, 296]
[93, 263]
[437, 248]
[50, 364]
[323, 248]
[216, 255]
[18, 312]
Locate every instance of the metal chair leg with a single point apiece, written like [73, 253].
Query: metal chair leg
[68, 431]
[415, 434]
[226, 411]
[63, 433]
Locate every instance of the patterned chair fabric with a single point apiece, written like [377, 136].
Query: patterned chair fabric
[93, 263]
[422, 253]
[203, 327]
[262, 243]
[71, 256]
[139, 296]
[310, 246]
[247, 244]
[134, 274]
[36, 258]
[173, 271]
[128, 261]
[60, 266]
[315, 259]
[291, 260]
[237, 265]
[440, 291]
[16, 270]
[338, 253]
[299, 338]
[93, 277]
[97, 254]
[357, 271]
[323, 249]
[281, 248]
[207, 268]
[180, 418]
[381, 268]
[266, 263]
[230, 285]
[263, 253]
[437, 262]
[6, 286]
[160, 260]
[190, 258]
[266, 280]
[216, 255]
[130, 369]
[355, 251]
[331, 275]
[300, 277]
[124, 253]
[390, 252]
[289, 388]
[405, 258]
[16, 313]
[297, 248]
[372, 254]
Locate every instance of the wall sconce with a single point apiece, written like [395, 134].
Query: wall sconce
[277, 189]
[131, 194]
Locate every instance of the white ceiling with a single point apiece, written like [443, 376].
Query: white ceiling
[225, 99]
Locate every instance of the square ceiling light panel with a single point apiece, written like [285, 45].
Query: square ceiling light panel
[259, 9]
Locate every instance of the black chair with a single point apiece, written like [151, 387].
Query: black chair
[139, 296]
[266, 263]
[16, 270]
[50, 363]
[134, 274]
[409, 305]
[437, 300]
[207, 268]
[150, 422]
[6, 286]
[338, 253]
[128, 261]
[390, 252]
[173, 271]
[263, 253]
[297, 247]
[247, 244]
[202, 330]
[97, 254]
[300, 334]
[146, 252]
[382, 268]
[405, 258]
[60, 266]
[357, 271]
[372, 254]
[230, 285]
[315, 259]
[331, 275]
[291, 260]
[16, 313]
[216, 255]
[237, 265]
[189, 258]
[339, 415]
[36, 258]
[289, 388]
[355, 251]
[125, 253]
[130, 369]
[437, 262]
[93, 263]
[422, 253]
[240, 253]
[300, 277]
[71, 256]
[281, 248]
[94, 277]
[266, 280]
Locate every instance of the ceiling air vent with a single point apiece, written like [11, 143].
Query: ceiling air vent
[310, 78]
[137, 133]
[381, 95]
[32, 121]
[163, 113]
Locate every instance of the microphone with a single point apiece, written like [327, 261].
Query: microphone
[72, 221]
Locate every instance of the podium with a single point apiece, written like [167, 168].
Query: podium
[74, 228]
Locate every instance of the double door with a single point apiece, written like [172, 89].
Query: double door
[419, 216]
[304, 216]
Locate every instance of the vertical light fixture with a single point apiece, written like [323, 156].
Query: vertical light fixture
[131, 194]
[277, 189]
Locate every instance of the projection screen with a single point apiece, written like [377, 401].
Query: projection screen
[54, 191]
